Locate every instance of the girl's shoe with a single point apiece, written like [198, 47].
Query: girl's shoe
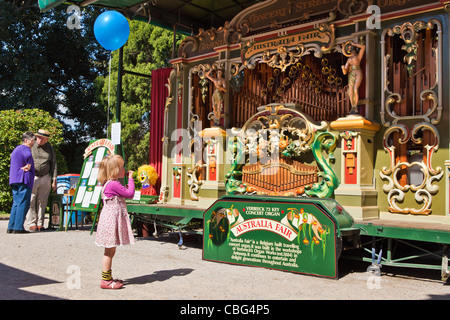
[118, 280]
[111, 284]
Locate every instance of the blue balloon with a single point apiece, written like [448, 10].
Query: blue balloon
[111, 29]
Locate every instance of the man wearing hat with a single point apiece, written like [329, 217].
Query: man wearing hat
[45, 179]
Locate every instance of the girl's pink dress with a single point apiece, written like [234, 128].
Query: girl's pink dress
[114, 227]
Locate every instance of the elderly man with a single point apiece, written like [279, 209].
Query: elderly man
[45, 179]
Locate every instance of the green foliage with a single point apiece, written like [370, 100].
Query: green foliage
[48, 66]
[13, 123]
[148, 48]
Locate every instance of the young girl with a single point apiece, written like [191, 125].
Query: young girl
[114, 228]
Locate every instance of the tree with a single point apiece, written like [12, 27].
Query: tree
[148, 48]
[13, 123]
[46, 65]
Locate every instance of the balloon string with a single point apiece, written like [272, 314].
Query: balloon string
[109, 86]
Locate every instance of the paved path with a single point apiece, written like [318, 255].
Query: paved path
[66, 265]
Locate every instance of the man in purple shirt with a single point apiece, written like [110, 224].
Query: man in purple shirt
[21, 179]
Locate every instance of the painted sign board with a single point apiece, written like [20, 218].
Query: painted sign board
[290, 234]
[88, 191]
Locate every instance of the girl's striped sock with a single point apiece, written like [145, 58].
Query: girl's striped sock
[106, 275]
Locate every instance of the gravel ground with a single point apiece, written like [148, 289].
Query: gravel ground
[53, 265]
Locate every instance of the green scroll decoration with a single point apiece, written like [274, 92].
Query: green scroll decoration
[233, 179]
[324, 141]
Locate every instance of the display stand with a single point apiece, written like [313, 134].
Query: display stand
[88, 192]
[296, 234]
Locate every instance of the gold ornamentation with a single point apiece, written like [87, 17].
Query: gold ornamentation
[283, 58]
[348, 136]
[408, 32]
[330, 72]
[279, 51]
[430, 95]
[193, 182]
[424, 190]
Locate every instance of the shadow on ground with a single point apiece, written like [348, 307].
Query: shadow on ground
[15, 281]
[161, 275]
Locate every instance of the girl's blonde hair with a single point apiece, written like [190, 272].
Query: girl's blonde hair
[110, 168]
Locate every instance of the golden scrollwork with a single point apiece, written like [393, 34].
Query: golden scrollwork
[283, 58]
[430, 95]
[194, 183]
[422, 190]
[408, 33]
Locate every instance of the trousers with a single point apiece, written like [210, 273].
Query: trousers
[39, 198]
[21, 202]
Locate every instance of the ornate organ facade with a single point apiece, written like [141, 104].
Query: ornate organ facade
[266, 105]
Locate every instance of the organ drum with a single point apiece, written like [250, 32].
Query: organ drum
[281, 176]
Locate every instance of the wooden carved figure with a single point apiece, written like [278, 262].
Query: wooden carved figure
[355, 75]
[217, 99]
